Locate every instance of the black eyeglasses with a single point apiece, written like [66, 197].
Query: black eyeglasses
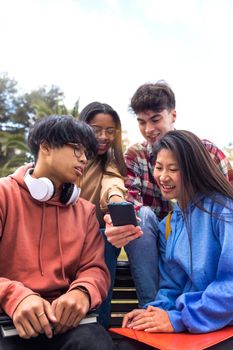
[79, 149]
[110, 132]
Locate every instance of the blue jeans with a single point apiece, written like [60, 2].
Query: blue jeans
[111, 254]
[143, 257]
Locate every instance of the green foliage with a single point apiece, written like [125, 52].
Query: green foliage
[8, 97]
[75, 110]
[42, 102]
[14, 152]
[18, 112]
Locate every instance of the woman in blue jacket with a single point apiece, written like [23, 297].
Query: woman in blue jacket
[196, 242]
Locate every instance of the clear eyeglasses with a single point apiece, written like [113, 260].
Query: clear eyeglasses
[98, 130]
[79, 149]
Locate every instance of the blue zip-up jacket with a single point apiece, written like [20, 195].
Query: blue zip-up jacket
[196, 267]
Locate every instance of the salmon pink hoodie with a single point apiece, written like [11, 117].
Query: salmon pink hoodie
[47, 248]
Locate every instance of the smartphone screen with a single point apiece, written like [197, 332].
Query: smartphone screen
[122, 213]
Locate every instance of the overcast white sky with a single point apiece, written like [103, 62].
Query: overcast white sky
[104, 49]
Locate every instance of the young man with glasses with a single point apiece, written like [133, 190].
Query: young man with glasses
[52, 269]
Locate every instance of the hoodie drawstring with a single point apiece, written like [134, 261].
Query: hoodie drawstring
[59, 243]
[41, 242]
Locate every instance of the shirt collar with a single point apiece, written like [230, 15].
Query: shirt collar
[149, 150]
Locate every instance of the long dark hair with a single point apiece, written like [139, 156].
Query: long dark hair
[115, 153]
[199, 173]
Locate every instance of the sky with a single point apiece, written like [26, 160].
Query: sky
[103, 50]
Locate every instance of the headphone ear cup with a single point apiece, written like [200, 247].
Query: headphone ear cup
[69, 193]
[41, 189]
[75, 195]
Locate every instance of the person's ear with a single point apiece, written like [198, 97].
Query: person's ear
[173, 112]
[45, 148]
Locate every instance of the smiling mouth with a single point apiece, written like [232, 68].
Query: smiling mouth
[102, 146]
[167, 187]
[153, 138]
[79, 170]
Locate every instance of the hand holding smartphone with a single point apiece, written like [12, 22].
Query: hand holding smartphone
[122, 213]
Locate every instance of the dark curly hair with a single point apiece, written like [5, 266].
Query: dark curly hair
[153, 97]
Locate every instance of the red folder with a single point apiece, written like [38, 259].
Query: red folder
[177, 341]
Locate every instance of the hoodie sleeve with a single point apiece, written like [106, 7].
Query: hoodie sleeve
[112, 185]
[134, 177]
[211, 309]
[11, 292]
[93, 273]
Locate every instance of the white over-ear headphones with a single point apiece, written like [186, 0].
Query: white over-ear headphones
[43, 189]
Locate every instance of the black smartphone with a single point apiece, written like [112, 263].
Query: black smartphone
[122, 213]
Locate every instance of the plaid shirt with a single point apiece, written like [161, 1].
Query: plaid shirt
[140, 182]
